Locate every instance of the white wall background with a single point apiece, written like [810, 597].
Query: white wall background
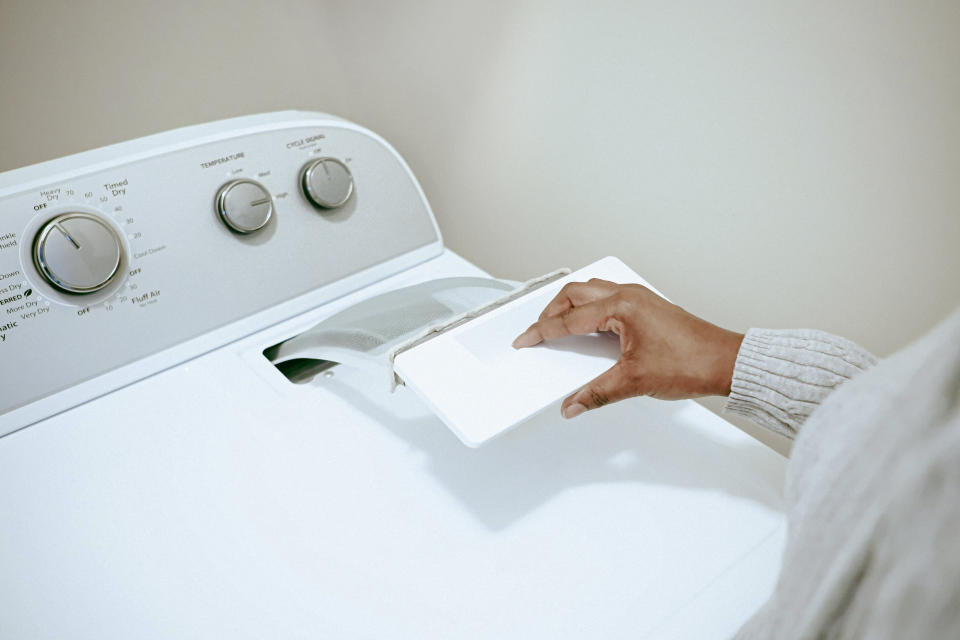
[764, 164]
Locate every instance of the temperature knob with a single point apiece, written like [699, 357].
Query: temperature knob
[77, 253]
[244, 206]
[326, 182]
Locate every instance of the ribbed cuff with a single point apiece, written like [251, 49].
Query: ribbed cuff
[781, 376]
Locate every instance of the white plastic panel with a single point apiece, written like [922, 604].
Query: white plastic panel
[481, 386]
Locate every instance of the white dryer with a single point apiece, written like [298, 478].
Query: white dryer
[160, 478]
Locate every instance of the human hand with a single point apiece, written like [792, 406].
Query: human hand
[665, 352]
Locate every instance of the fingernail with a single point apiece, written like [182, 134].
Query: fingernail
[525, 339]
[573, 410]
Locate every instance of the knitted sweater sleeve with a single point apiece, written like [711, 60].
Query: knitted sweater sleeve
[781, 376]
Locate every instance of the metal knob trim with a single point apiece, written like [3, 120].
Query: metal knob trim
[326, 182]
[77, 253]
[245, 206]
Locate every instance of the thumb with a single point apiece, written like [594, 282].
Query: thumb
[610, 386]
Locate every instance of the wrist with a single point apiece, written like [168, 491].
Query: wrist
[728, 348]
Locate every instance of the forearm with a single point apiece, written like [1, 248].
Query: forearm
[781, 376]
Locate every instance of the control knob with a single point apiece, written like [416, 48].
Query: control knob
[326, 182]
[77, 253]
[244, 206]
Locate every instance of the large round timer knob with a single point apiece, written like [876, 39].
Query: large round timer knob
[77, 253]
[244, 206]
[326, 182]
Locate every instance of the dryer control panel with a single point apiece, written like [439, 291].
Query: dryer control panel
[115, 256]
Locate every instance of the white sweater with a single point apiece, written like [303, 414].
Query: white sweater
[873, 484]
